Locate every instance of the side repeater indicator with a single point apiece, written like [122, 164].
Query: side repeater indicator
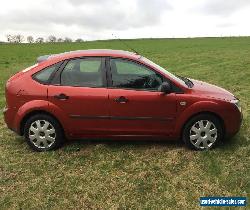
[183, 103]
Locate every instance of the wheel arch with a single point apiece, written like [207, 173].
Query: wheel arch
[35, 112]
[204, 112]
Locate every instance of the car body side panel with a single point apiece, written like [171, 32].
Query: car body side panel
[222, 110]
[86, 109]
[20, 93]
[145, 112]
[34, 105]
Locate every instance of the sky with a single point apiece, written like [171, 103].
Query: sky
[108, 19]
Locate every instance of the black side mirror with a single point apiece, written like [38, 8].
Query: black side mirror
[165, 88]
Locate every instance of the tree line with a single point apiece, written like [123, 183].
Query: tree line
[18, 38]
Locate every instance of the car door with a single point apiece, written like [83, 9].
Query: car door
[136, 105]
[82, 95]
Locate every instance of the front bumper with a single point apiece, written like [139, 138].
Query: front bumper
[235, 125]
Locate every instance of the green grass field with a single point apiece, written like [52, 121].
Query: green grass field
[105, 174]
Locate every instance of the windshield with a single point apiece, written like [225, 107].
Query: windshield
[161, 69]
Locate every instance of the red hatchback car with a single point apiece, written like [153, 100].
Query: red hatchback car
[112, 93]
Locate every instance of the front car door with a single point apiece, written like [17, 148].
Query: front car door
[136, 105]
[82, 95]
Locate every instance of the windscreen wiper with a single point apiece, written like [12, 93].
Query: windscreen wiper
[187, 81]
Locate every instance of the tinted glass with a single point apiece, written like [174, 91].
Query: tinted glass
[86, 72]
[131, 75]
[44, 75]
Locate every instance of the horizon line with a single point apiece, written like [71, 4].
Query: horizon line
[187, 37]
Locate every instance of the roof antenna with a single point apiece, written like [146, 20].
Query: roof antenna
[125, 44]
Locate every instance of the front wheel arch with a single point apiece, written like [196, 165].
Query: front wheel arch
[209, 113]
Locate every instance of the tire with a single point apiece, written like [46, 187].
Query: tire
[202, 132]
[43, 133]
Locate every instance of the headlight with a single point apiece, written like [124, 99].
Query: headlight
[236, 102]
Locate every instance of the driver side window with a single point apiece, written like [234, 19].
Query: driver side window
[131, 75]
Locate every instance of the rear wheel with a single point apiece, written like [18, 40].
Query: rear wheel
[43, 132]
[202, 132]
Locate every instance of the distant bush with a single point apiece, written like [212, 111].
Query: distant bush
[17, 38]
[79, 40]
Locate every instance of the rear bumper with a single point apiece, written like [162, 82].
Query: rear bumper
[9, 115]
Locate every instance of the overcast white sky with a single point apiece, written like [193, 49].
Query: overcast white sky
[97, 19]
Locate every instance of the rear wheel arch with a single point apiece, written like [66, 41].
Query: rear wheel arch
[36, 112]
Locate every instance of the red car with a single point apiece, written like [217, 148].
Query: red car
[112, 93]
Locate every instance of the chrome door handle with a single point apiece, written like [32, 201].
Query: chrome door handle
[61, 96]
[121, 100]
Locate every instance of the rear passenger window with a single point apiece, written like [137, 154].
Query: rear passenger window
[44, 75]
[89, 66]
[84, 72]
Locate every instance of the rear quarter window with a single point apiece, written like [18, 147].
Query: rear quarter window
[45, 75]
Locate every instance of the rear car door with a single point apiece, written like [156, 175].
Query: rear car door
[79, 90]
[136, 105]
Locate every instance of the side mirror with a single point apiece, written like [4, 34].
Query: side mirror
[165, 88]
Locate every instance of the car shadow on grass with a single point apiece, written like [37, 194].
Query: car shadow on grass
[114, 144]
[233, 143]
[229, 144]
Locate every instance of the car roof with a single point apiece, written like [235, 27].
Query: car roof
[89, 53]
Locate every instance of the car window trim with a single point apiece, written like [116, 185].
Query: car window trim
[56, 78]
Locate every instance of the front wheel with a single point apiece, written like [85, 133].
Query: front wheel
[43, 132]
[202, 132]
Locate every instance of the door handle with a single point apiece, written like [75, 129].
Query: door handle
[61, 96]
[121, 100]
